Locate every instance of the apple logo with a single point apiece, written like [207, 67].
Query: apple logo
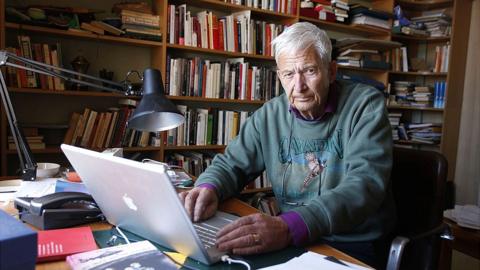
[129, 202]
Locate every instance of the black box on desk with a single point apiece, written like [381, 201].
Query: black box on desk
[18, 244]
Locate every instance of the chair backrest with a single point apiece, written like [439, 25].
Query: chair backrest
[418, 184]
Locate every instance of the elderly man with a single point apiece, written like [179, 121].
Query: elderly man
[327, 149]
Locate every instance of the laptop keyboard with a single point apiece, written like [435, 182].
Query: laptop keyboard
[207, 233]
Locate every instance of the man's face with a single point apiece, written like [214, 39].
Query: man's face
[305, 80]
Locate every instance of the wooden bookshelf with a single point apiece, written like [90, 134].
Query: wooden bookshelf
[346, 28]
[398, 107]
[423, 39]
[80, 34]
[420, 73]
[183, 48]
[426, 4]
[160, 50]
[194, 147]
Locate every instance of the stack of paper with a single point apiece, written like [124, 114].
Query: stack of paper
[311, 260]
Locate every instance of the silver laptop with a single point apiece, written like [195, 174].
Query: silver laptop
[140, 198]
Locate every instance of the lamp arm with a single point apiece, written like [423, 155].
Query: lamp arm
[62, 73]
[27, 162]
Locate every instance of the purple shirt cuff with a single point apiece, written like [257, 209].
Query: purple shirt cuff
[208, 186]
[297, 227]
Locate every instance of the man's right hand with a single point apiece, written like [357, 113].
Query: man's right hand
[200, 203]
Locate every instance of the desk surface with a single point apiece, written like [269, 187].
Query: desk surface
[233, 206]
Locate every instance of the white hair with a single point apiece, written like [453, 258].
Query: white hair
[300, 36]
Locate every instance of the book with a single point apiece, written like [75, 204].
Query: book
[57, 244]
[142, 255]
[107, 28]
[92, 28]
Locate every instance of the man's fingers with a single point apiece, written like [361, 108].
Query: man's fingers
[190, 201]
[247, 240]
[182, 196]
[236, 224]
[201, 205]
[237, 232]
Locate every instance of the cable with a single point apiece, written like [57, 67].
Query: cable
[226, 258]
[122, 234]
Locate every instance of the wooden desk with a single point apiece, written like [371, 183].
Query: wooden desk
[233, 206]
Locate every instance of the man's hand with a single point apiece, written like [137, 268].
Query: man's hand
[200, 203]
[252, 234]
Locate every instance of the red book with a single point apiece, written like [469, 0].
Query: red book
[235, 34]
[221, 37]
[268, 39]
[55, 245]
[215, 32]
[249, 84]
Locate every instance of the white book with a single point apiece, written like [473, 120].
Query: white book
[208, 78]
[188, 28]
[181, 129]
[172, 24]
[220, 128]
[404, 59]
[253, 83]
[202, 20]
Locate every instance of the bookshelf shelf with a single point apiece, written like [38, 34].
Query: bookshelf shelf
[218, 52]
[363, 69]
[193, 147]
[55, 150]
[228, 7]
[410, 73]
[69, 93]
[397, 107]
[404, 142]
[82, 35]
[216, 100]
[414, 38]
[357, 29]
[424, 5]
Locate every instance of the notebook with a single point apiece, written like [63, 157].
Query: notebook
[140, 198]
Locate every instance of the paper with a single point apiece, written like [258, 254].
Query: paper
[310, 260]
[36, 188]
[8, 189]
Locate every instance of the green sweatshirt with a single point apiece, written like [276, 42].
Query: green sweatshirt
[333, 173]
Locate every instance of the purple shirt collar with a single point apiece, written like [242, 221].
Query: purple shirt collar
[330, 107]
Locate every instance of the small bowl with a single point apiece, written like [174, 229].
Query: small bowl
[46, 170]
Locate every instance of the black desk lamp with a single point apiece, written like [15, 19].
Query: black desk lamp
[154, 113]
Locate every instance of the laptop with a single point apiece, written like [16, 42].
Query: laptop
[140, 198]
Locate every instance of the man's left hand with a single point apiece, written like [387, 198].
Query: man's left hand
[253, 234]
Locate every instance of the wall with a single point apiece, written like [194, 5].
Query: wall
[467, 176]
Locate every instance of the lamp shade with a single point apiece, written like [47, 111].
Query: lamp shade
[155, 112]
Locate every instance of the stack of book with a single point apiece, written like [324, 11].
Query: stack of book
[399, 59]
[99, 130]
[363, 15]
[436, 22]
[428, 133]
[231, 79]
[206, 127]
[361, 79]
[402, 90]
[440, 88]
[394, 118]
[318, 9]
[141, 25]
[410, 31]
[236, 32]
[421, 97]
[34, 142]
[50, 54]
[364, 52]
[193, 163]
[281, 6]
[340, 9]
[442, 55]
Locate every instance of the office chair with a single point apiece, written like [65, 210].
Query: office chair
[418, 182]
